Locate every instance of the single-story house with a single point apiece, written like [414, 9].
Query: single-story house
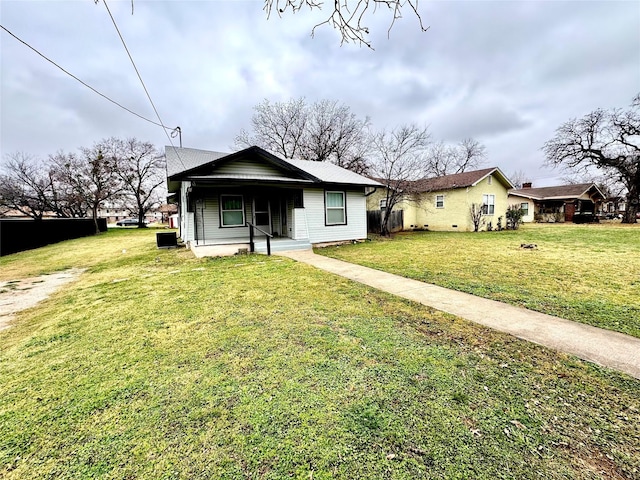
[564, 203]
[614, 207]
[221, 197]
[444, 203]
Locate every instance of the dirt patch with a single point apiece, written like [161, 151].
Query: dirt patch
[18, 295]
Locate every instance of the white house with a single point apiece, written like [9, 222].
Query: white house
[223, 197]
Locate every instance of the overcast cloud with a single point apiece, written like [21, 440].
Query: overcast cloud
[506, 73]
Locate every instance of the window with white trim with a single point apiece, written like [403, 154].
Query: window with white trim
[439, 201]
[488, 204]
[383, 203]
[232, 211]
[525, 208]
[335, 208]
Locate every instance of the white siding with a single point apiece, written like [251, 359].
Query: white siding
[302, 223]
[299, 230]
[356, 227]
[246, 167]
[186, 218]
[210, 216]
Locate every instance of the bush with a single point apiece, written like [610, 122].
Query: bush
[514, 217]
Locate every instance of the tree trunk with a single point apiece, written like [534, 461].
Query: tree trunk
[633, 207]
[141, 212]
[94, 214]
[384, 223]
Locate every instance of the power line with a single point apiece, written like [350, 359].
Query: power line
[83, 83]
[124, 44]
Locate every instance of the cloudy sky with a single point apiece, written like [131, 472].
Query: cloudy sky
[507, 73]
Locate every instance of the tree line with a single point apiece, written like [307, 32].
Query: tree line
[126, 173]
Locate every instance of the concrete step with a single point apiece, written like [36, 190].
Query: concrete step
[282, 245]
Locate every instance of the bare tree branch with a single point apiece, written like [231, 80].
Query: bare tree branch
[324, 131]
[443, 159]
[398, 158]
[348, 16]
[608, 141]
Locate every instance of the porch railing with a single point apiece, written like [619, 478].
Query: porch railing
[252, 245]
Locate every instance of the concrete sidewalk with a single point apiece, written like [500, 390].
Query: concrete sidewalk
[610, 349]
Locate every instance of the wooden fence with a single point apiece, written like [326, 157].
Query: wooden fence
[374, 218]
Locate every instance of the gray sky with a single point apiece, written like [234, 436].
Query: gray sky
[507, 73]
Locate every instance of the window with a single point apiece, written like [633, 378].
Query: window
[525, 208]
[231, 211]
[383, 203]
[335, 206]
[488, 204]
[490, 180]
[439, 201]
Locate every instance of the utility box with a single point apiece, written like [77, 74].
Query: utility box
[166, 239]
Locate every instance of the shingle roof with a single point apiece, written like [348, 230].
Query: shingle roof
[330, 173]
[183, 160]
[558, 192]
[456, 180]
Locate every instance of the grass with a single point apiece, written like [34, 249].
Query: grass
[158, 365]
[585, 273]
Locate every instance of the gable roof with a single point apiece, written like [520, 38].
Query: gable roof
[560, 192]
[183, 159]
[190, 163]
[457, 180]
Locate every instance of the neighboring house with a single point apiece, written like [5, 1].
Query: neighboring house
[444, 203]
[564, 203]
[219, 194]
[112, 213]
[614, 207]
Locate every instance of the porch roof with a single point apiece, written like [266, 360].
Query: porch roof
[560, 192]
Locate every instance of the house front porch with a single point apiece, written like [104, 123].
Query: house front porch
[231, 246]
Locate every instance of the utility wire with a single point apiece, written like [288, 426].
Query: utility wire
[124, 44]
[83, 83]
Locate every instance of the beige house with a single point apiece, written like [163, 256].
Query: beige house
[564, 203]
[444, 203]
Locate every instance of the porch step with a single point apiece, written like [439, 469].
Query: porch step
[282, 245]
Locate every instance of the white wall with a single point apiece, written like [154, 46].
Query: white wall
[356, 227]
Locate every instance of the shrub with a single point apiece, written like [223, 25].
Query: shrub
[514, 217]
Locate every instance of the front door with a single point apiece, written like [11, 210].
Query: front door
[262, 214]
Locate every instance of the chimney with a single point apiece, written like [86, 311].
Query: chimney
[526, 185]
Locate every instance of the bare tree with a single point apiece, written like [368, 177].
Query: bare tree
[322, 131]
[141, 169]
[398, 159]
[476, 212]
[277, 127]
[608, 140]
[518, 178]
[443, 159]
[90, 179]
[26, 186]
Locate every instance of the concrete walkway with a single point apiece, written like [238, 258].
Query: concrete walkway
[610, 349]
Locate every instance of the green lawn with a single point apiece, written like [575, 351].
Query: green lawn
[586, 273]
[158, 365]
